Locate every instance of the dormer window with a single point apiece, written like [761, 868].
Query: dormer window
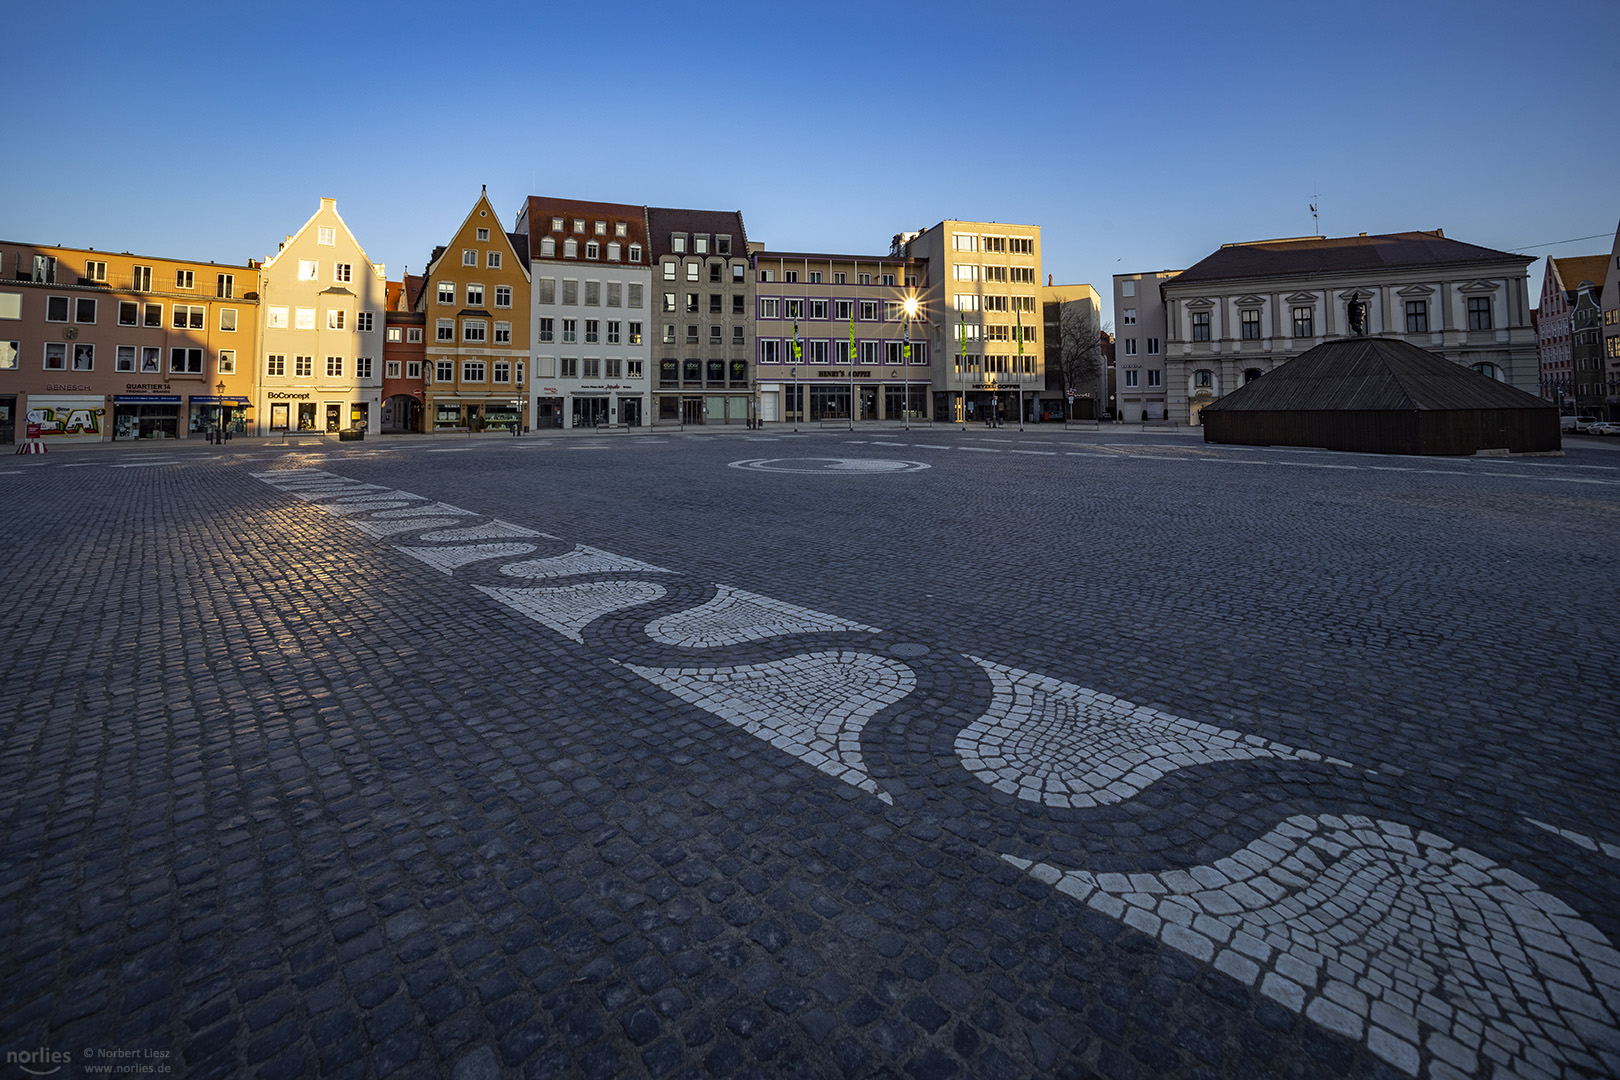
[579, 226]
[677, 243]
[635, 253]
[570, 248]
[700, 245]
[548, 246]
[601, 228]
[722, 245]
[593, 250]
[613, 251]
[556, 224]
[620, 229]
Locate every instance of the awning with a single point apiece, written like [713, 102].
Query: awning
[145, 399]
[210, 399]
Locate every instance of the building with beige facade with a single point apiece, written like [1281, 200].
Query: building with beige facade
[98, 345]
[1248, 307]
[979, 283]
[848, 316]
[476, 303]
[588, 311]
[321, 335]
[1139, 335]
[705, 347]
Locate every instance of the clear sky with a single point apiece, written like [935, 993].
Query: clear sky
[1138, 136]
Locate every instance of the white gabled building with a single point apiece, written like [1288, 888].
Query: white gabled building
[321, 307]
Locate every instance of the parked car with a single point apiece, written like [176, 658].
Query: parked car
[1576, 423]
[1604, 427]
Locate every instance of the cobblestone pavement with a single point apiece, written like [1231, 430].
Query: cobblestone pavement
[941, 753]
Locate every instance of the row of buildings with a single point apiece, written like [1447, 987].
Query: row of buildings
[579, 314]
[583, 314]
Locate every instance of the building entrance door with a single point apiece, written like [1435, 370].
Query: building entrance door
[590, 411]
[334, 416]
[8, 422]
[868, 403]
[548, 412]
[691, 410]
[630, 411]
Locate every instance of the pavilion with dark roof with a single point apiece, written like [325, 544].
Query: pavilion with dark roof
[1382, 396]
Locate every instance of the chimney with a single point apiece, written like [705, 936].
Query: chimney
[1048, 281]
[328, 204]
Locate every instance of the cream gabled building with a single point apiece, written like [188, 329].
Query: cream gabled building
[321, 310]
[476, 299]
[980, 296]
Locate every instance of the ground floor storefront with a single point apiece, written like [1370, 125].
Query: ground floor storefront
[730, 407]
[471, 412]
[297, 411]
[812, 400]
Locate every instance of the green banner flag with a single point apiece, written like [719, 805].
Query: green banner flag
[1020, 320]
[852, 334]
[797, 351]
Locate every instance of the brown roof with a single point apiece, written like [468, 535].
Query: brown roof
[1578, 268]
[395, 290]
[662, 221]
[542, 208]
[413, 290]
[1312, 255]
[1366, 374]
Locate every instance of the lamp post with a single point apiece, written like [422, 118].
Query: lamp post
[905, 360]
[219, 412]
[795, 397]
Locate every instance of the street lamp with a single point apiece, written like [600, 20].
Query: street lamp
[905, 360]
[219, 412]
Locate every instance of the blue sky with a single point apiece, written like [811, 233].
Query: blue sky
[1138, 136]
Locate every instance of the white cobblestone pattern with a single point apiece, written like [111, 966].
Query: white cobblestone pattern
[582, 560]
[424, 510]
[365, 506]
[1579, 839]
[448, 559]
[389, 528]
[568, 609]
[1403, 941]
[812, 706]
[845, 466]
[1052, 742]
[734, 616]
[493, 530]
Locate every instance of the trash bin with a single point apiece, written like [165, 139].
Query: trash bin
[352, 435]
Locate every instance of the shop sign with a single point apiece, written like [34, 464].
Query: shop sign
[844, 374]
[152, 387]
[67, 386]
[146, 399]
[283, 395]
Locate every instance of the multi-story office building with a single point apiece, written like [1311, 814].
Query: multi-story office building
[1249, 307]
[981, 292]
[404, 353]
[588, 312]
[1139, 333]
[1076, 384]
[849, 317]
[322, 302]
[476, 306]
[99, 345]
[705, 321]
[1555, 330]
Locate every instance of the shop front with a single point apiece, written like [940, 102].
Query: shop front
[146, 416]
[290, 411]
[588, 410]
[67, 418]
[548, 412]
[211, 412]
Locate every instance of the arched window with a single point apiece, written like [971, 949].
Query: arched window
[1203, 379]
[1490, 371]
[1251, 374]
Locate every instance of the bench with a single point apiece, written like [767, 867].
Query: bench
[612, 427]
[319, 436]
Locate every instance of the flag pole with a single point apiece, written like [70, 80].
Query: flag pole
[852, 304]
[1019, 319]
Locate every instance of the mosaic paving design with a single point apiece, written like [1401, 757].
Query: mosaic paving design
[1393, 939]
[1056, 743]
[735, 616]
[1407, 943]
[569, 609]
[812, 706]
[833, 466]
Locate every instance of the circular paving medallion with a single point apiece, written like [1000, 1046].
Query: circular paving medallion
[838, 466]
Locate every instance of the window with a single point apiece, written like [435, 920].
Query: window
[842, 309]
[700, 245]
[342, 272]
[1022, 274]
[483, 234]
[1127, 288]
[444, 330]
[188, 316]
[227, 362]
[84, 356]
[1155, 377]
[227, 319]
[1200, 326]
[473, 329]
[966, 302]
[391, 369]
[614, 368]
[613, 250]
[593, 250]
[444, 371]
[1417, 316]
[447, 292]
[186, 361]
[570, 248]
[548, 290]
[1479, 313]
[816, 352]
[635, 333]
[546, 328]
[185, 279]
[737, 274]
[1021, 245]
[275, 364]
[304, 318]
[995, 273]
[1023, 303]
[556, 224]
[123, 360]
[548, 246]
[503, 296]
[790, 276]
[1203, 379]
[669, 301]
[1249, 321]
[570, 329]
[334, 367]
[737, 305]
[472, 371]
[1303, 322]
[275, 318]
[635, 253]
[335, 318]
[592, 369]
[769, 307]
[795, 309]
[892, 312]
[363, 321]
[503, 333]
[142, 279]
[475, 296]
[568, 367]
[869, 310]
[970, 272]
[96, 271]
[615, 294]
[308, 270]
[1128, 317]
[1130, 346]
[869, 353]
[888, 279]
[714, 335]
[56, 356]
[592, 331]
[413, 369]
[1152, 345]
[632, 369]
[770, 352]
[815, 277]
[864, 279]
[677, 244]
[570, 292]
[737, 335]
[413, 335]
[325, 235]
[840, 278]
[669, 334]
[303, 367]
[502, 371]
[56, 309]
[393, 335]
[1132, 379]
[469, 257]
[669, 271]
[612, 332]
[84, 310]
[691, 335]
[593, 294]
[691, 271]
[965, 242]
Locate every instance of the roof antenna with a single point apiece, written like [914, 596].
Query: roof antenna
[1316, 221]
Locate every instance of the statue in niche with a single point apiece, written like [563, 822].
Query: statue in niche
[1356, 312]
